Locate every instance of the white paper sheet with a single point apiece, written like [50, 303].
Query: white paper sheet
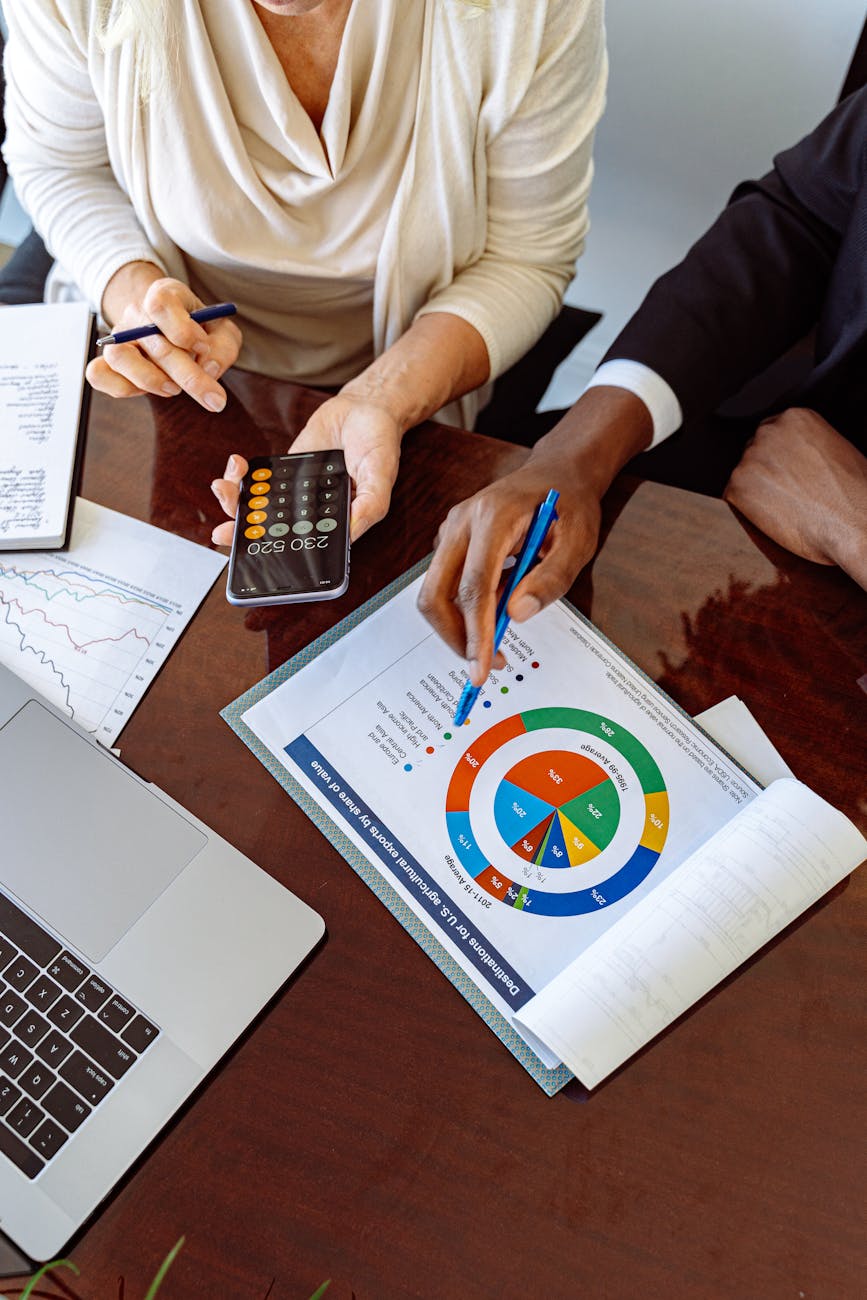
[734, 728]
[91, 626]
[43, 352]
[779, 855]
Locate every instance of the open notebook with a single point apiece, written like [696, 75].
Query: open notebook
[43, 410]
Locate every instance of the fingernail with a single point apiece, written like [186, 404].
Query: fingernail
[214, 538]
[524, 607]
[216, 488]
[473, 671]
[171, 390]
[215, 401]
[231, 464]
[212, 368]
[201, 350]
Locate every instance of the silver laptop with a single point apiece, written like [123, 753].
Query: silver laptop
[135, 946]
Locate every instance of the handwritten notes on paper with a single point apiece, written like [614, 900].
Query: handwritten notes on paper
[44, 352]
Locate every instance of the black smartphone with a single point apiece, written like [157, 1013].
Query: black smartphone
[291, 538]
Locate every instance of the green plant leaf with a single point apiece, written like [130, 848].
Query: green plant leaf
[164, 1268]
[46, 1268]
[320, 1290]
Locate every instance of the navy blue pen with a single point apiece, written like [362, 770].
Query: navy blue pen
[542, 520]
[146, 331]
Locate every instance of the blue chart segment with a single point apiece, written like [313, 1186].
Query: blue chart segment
[557, 809]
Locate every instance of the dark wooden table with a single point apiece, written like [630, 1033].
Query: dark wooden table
[370, 1128]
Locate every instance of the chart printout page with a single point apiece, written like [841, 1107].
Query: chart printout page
[519, 838]
[90, 627]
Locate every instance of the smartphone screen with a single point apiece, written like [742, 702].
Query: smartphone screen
[292, 533]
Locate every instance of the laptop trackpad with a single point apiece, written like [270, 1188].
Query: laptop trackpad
[84, 844]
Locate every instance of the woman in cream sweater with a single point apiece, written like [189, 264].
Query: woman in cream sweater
[392, 191]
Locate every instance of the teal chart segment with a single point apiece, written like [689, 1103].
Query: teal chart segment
[559, 809]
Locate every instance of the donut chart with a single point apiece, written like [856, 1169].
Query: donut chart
[558, 809]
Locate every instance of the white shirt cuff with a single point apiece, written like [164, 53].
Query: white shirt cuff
[647, 385]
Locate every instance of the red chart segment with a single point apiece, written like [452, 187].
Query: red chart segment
[556, 775]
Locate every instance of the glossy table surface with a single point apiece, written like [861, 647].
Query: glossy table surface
[369, 1128]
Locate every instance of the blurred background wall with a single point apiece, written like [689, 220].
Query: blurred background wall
[701, 95]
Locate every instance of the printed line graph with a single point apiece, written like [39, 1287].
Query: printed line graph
[90, 627]
[83, 641]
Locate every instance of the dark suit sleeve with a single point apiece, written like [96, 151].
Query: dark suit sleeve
[754, 284]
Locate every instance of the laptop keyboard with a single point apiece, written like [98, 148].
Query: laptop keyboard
[66, 1039]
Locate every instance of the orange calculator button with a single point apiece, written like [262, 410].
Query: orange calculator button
[259, 474]
[256, 517]
[256, 531]
[258, 489]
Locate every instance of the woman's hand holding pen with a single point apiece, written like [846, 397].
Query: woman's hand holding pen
[184, 357]
[369, 436]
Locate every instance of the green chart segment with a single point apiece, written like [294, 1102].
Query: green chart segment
[557, 808]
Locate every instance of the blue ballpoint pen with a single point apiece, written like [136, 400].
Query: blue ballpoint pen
[146, 331]
[542, 520]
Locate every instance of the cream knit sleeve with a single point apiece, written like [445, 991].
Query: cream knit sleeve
[539, 170]
[56, 147]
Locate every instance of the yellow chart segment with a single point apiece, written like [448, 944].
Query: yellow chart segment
[578, 847]
[656, 821]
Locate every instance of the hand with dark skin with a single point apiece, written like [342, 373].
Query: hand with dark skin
[805, 486]
[579, 458]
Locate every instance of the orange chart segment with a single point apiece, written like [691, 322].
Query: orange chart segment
[458, 793]
[555, 776]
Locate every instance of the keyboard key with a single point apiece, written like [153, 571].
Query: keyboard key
[9, 1094]
[31, 1028]
[48, 1139]
[20, 973]
[116, 1014]
[68, 971]
[43, 993]
[4, 1037]
[66, 1106]
[105, 1049]
[26, 934]
[93, 993]
[54, 1049]
[24, 1117]
[21, 1155]
[64, 1013]
[12, 1007]
[14, 1059]
[85, 1078]
[140, 1034]
[36, 1079]
[7, 951]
